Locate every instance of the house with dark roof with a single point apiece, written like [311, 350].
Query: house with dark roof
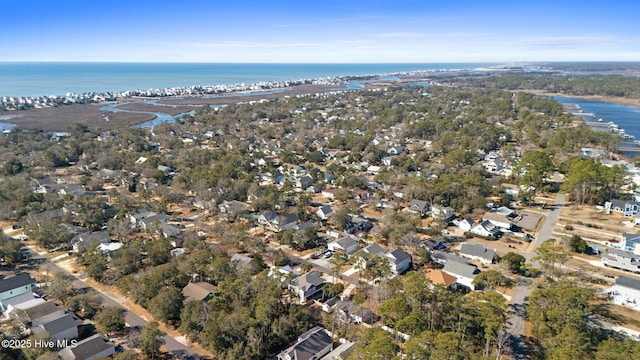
[199, 291]
[399, 261]
[285, 222]
[92, 348]
[625, 207]
[15, 290]
[357, 314]
[61, 328]
[486, 229]
[442, 258]
[477, 252]
[307, 285]
[347, 245]
[324, 212]
[420, 207]
[311, 345]
[33, 314]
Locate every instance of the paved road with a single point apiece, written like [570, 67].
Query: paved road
[515, 323]
[171, 344]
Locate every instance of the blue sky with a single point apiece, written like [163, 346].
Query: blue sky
[344, 31]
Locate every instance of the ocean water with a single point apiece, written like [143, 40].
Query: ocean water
[59, 78]
[627, 117]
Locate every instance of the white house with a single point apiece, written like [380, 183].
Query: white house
[477, 252]
[463, 273]
[399, 260]
[307, 285]
[442, 212]
[347, 245]
[465, 224]
[324, 212]
[486, 229]
[626, 291]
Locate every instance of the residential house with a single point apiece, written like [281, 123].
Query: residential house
[304, 182]
[361, 196]
[324, 212]
[631, 242]
[386, 161]
[367, 253]
[627, 208]
[329, 192]
[626, 291]
[233, 207]
[442, 258]
[342, 352]
[283, 273]
[464, 273]
[357, 314]
[399, 261]
[61, 328]
[199, 291]
[444, 213]
[330, 305]
[148, 223]
[285, 222]
[477, 252]
[432, 244]
[486, 229]
[73, 190]
[267, 217]
[92, 348]
[621, 260]
[397, 150]
[15, 290]
[83, 241]
[242, 262]
[346, 245]
[420, 207]
[439, 277]
[465, 224]
[500, 220]
[26, 315]
[307, 285]
[311, 345]
[358, 224]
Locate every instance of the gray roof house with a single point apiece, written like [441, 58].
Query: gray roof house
[477, 252]
[311, 345]
[83, 241]
[346, 244]
[464, 273]
[626, 291]
[621, 260]
[324, 212]
[399, 260]
[307, 285]
[419, 206]
[349, 311]
[62, 328]
[91, 348]
[627, 208]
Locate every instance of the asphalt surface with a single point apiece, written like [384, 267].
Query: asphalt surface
[515, 322]
[171, 344]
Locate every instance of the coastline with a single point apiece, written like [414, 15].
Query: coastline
[138, 108]
[607, 99]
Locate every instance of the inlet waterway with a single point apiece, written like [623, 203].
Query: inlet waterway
[606, 116]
